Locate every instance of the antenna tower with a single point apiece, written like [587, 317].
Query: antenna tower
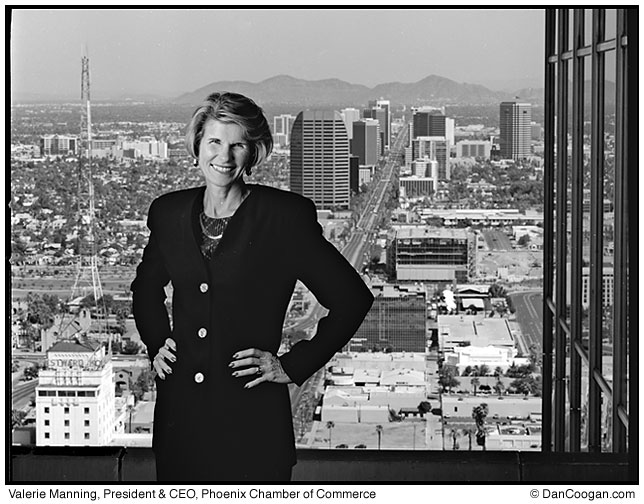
[87, 278]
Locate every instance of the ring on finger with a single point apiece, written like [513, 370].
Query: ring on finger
[259, 370]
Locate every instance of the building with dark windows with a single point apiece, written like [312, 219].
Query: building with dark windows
[320, 159]
[282, 125]
[58, 145]
[396, 322]
[381, 110]
[516, 130]
[423, 253]
[366, 141]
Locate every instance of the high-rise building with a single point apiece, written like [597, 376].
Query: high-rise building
[349, 116]
[423, 253]
[396, 321]
[435, 148]
[320, 159]
[381, 111]
[282, 125]
[515, 119]
[75, 398]
[366, 141]
[354, 173]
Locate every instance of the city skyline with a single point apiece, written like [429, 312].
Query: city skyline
[155, 52]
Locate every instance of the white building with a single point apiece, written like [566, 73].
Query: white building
[75, 400]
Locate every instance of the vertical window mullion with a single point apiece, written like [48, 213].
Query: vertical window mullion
[620, 330]
[596, 235]
[576, 231]
[561, 191]
[548, 222]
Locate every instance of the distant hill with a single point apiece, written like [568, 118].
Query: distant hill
[287, 90]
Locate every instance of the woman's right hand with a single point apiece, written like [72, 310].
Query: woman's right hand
[165, 353]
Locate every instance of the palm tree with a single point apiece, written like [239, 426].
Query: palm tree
[475, 383]
[330, 425]
[479, 413]
[379, 432]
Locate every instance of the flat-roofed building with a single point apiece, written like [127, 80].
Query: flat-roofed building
[423, 253]
[456, 331]
[397, 321]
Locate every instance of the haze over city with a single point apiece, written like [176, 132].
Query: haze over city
[167, 52]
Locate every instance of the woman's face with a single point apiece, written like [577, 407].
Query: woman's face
[223, 153]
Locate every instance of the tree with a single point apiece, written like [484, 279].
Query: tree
[424, 407]
[17, 418]
[379, 432]
[479, 414]
[497, 291]
[144, 383]
[447, 378]
[475, 383]
[130, 347]
[523, 240]
[499, 387]
[330, 425]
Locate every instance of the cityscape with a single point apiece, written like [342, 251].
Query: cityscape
[439, 202]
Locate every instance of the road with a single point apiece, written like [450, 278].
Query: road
[529, 314]
[497, 240]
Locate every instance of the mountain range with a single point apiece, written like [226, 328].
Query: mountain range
[432, 90]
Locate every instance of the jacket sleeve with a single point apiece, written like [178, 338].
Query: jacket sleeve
[336, 285]
[148, 293]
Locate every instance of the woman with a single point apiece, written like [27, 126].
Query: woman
[233, 252]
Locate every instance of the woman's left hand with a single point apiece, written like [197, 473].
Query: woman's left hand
[264, 365]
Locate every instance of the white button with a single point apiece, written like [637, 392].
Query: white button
[203, 287]
[199, 377]
[202, 332]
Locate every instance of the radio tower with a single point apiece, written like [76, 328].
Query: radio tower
[87, 278]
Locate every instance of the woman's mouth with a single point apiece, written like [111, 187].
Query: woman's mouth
[223, 169]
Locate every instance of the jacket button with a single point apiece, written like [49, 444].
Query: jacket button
[202, 332]
[203, 287]
[199, 377]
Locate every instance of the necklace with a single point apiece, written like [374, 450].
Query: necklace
[213, 227]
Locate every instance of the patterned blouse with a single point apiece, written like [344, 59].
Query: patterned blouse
[212, 229]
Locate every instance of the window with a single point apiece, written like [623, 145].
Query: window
[66, 410]
[46, 423]
[66, 435]
[586, 404]
[86, 423]
[86, 411]
[46, 435]
[87, 435]
[66, 423]
[46, 410]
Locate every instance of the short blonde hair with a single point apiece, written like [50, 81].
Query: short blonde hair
[236, 109]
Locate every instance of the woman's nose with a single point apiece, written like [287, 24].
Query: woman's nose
[225, 152]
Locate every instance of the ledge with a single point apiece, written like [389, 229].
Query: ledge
[119, 464]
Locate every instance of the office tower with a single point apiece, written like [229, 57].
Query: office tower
[423, 253]
[366, 141]
[349, 116]
[354, 169]
[514, 121]
[396, 322]
[435, 148]
[282, 125]
[320, 159]
[75, 399]
[380, 110]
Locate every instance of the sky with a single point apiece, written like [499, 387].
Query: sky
[168, 52]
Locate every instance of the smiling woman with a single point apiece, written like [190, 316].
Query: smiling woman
[233, 252]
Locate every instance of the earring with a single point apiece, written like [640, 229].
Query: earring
[195, 163]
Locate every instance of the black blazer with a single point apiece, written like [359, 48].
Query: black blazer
[237, 300]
